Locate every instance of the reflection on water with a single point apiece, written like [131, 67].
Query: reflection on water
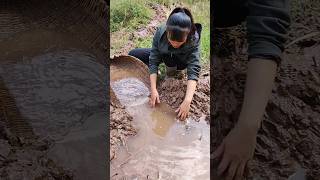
[164, 148]
[163, 118]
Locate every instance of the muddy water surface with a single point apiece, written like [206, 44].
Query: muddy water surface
[61, 95]
[164, 148]
[53, 89]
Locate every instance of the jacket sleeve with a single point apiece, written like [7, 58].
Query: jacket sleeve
[155, 58]
[193, 67]
[267, 25]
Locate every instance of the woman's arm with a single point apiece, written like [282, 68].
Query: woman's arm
[154, 61]
[260, 80]
[239, 145]
[155, 58]
[153, 81]
[191, 88]
[193, 72]
[154, 93]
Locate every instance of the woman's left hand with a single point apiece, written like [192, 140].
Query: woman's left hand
[235, 151]
[183, 110]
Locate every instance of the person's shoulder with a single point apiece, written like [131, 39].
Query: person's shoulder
[195, 38]
[161, 28]
[197, 34]
[198, 28]
[159, 31]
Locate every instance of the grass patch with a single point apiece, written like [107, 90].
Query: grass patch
[200, 10]
[162, 69]
[129, 14]
[145, 42]
[169, 2]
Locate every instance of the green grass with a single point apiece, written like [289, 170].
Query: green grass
[200, 10]
[128, 14]
[145, 42]
[162, 69]
[168, 2]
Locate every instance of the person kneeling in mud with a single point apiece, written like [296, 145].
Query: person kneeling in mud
[177, 45]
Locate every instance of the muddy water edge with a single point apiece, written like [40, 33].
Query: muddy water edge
[163, 147]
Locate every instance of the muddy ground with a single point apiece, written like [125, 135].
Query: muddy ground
[22, 158]
[172, 92]
[290, 133]
[120, 127]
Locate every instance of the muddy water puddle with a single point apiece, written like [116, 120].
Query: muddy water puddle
[164, 148]
[59, 88]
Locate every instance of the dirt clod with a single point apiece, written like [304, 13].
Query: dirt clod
[120, 127]
[21, 159]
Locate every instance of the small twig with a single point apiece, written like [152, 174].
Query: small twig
[3, 157]
[114, 175]
[302, 38]
[314, 61]
[200, 138]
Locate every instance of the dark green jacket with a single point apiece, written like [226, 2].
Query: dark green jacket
[188, 53]
[267, 23]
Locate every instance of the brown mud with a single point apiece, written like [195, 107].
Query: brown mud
[172, 92]
[289, 138]
[120, 127]
[52, 94]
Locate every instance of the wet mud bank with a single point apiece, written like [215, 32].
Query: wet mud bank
[52, 89]
[289, 137]
[21, 159]
[172, 92]
[120, 128]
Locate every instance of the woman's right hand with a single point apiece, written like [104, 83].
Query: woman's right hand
[154, 98]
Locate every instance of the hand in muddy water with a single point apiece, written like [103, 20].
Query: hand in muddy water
[183, 110]
[155, 98]
[235, 151]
